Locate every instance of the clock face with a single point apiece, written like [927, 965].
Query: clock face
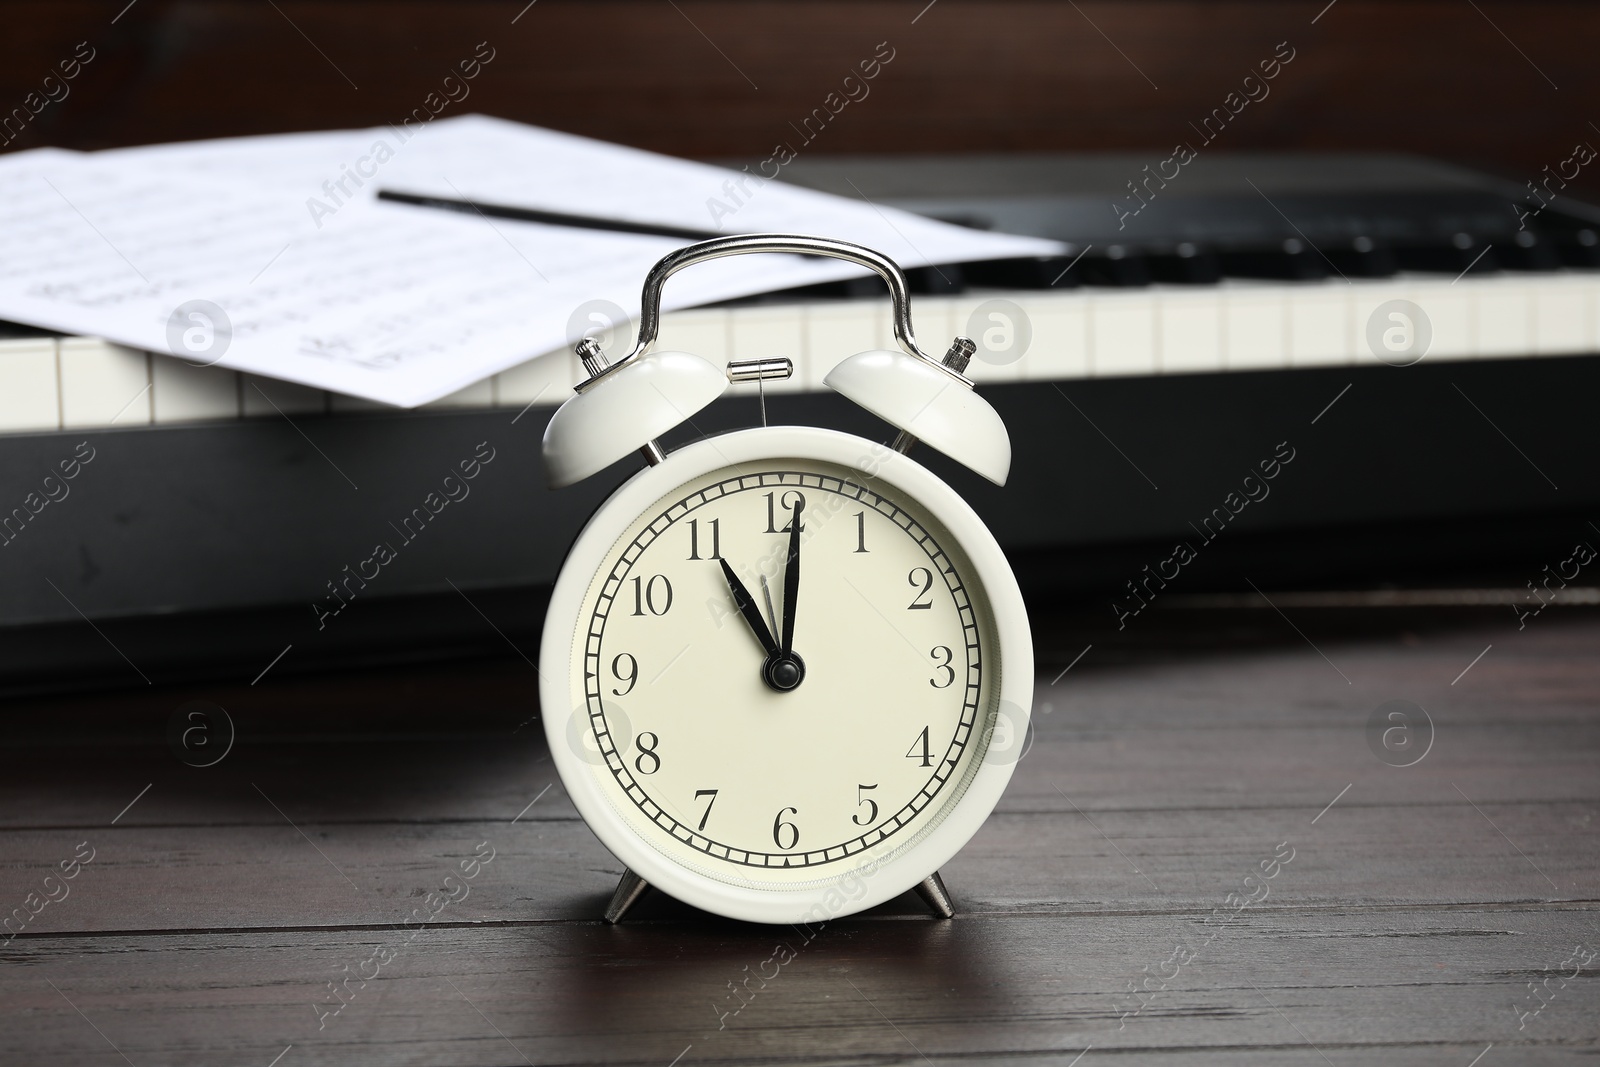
[767, 704]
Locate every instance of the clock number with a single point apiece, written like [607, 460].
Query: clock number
[861, 531]
[919, 576]
[872, 816]
[779, 826]
[925, 755]
[716, 539]
[648, 751]
[646, 594]
[945, 666]
[786, 504]
[712, 793]
[630, 678]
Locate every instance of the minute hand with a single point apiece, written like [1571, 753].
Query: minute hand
[747, 608]
[791, 582]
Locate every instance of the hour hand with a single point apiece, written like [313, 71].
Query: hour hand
[747, 607]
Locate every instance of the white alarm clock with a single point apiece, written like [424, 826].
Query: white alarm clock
[786, 672]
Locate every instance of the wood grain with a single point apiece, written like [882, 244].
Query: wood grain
[1167, 764]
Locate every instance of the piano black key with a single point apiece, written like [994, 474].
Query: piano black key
[1461, 254]
[1362, 258]
[1529, 250]
[1580, 247]
[1187, 263]
[1033, 272]
[1119, 266]
[1292, 260]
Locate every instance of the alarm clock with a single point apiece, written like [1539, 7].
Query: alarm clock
[785, 671]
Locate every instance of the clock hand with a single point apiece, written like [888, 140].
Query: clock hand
[791, 582]
[747, 608]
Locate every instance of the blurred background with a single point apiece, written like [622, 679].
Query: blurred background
[722, 80]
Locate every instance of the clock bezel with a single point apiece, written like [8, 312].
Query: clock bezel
[561, 652]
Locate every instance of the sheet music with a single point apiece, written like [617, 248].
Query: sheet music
[391, 302]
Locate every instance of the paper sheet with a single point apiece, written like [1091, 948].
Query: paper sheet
[326, 287]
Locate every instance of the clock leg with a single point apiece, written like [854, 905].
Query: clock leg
[933, 893]
[629, 890]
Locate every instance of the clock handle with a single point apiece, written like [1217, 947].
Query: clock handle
[747, 244]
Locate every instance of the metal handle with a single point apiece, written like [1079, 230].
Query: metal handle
[746, 244]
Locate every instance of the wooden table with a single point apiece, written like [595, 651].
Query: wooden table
[251, 912]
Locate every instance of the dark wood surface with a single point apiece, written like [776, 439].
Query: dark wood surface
[1493, 83]
[1168, 763]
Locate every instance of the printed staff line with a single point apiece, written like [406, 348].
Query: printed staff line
[1110, 842]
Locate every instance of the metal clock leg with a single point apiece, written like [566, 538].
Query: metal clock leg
[933, 893]
[629, 890]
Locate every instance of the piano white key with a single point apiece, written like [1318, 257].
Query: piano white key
[1449, 311]
[1190, 331]
[765, 332]
[1122, 339]
[544, 381]
[271, 397]
[29, 396]
[1505, 315]
[1255, 323]
[954, 316]
[1565, 315]
[836, 330]
[184, 393]
[1319, 324]
[103, 384]
[1366, 297]
[703, 331]
[1060, 336]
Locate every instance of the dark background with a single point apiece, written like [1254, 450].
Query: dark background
[1500, 86]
